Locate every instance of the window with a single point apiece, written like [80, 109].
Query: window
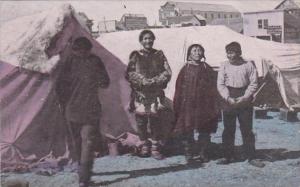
[212, 15]
[266, 23]
[219, 16]
[205, 15]
[225, 16]
[259, 22]
[230, 15]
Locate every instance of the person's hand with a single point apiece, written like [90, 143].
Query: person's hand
[147, 82]
[242, 99]
[231, 101]
[151, 81]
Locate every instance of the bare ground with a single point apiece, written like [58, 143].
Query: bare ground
[277, 142]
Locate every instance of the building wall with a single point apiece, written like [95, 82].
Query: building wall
[250, 23]
[294, 12]
[167, 11]
[107, 26]
[288, 34]
[170, 11]
[291, 30]
[292, 35]
[210, 16]
[132, 23]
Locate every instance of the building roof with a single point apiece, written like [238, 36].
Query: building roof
[111, 20]
[199, 17]
[295, 4]
[203, 6]
[134, 15]
[264, 11]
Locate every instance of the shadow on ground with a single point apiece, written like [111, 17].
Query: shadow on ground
[146, 172]
[215, 152]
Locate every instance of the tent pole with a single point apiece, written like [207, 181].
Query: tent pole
[259, 89]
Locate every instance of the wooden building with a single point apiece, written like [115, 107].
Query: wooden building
[107, 26]
[134, 21]
[209, 11]
[281, 24]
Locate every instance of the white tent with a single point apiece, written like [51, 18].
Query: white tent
[174, 42]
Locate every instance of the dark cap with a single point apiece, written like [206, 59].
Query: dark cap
[234, 46]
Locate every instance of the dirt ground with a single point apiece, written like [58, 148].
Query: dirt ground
[277, 142]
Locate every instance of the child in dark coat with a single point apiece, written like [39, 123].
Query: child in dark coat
[195, 102]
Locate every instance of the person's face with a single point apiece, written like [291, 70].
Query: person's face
[82, 52]
[232, 56]
[147, 41]
[196, 54]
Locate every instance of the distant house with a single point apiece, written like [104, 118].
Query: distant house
[281, 24]
[208, 11]
[133, 21]
[107, 26]
[188, 20]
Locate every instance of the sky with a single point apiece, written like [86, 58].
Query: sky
[113, 10]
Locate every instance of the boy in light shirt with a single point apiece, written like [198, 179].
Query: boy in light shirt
[237, 82]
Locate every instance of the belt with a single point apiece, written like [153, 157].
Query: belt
[236, 92]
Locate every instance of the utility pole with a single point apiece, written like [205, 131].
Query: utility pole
[105, 24]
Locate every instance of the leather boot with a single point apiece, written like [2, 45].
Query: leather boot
[203, 143]
[85, 171]
[155, 150]
[145, 149]
[188, 151]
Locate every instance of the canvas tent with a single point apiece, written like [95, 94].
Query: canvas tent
[31, 52]
[281, 61]
[32, 125]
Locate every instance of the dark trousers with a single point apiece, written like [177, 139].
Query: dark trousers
[245, 117]
[189, 141]
[84, 137]
[148, 127]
